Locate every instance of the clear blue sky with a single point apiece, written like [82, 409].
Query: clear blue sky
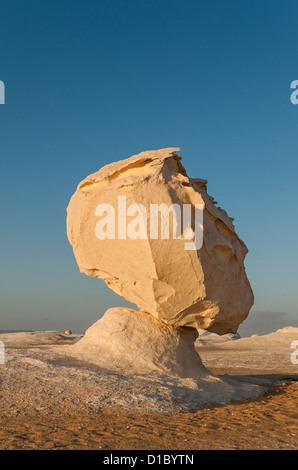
[88, 83]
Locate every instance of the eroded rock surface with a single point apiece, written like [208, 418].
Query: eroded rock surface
[201, 288]
[134, 342]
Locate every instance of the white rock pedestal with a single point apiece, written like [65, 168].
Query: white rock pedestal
[133, 341]
[155, 365]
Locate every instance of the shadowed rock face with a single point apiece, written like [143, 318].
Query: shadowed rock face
[201, 288]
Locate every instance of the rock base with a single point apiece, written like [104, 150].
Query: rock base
[154, 365]
[135, 342]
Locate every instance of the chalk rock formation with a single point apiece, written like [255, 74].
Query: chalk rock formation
[135, 342]
[153, 365]
[165, 273]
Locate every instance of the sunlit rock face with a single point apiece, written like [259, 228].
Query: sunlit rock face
[132, 341]
[157, 238]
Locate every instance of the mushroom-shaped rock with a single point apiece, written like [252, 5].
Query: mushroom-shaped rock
[157, 238]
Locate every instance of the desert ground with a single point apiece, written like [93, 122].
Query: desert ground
[50, 402]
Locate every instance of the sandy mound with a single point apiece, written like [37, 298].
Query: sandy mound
[278, 339]
[31, 338]
[266, 354]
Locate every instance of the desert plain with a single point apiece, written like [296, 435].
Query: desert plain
[51, 401]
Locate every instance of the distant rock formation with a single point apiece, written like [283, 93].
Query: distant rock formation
[168, 266]
[209, 339]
